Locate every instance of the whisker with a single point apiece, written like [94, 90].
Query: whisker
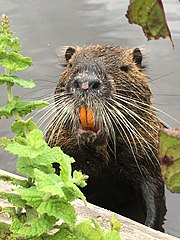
[136, 133]
[154, 108]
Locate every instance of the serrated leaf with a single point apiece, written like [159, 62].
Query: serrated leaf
[4, 142]
[65, 166]
[49, 183]
[15, 181]
[72, 192]
[31, 195]
[10, 210]
[169, 154]
[30, 229]
[16, 80]
[19, 127]
[7, 110]
[60, 209]
[150, 15]
[12, 43]
[14, 61]
[43, 162]
[15, 199]
[64, 233]
[79, 178]
[32, 146]
[115, 223]
[87, 230]
[112, 235]
[26, 167]
[22, 107]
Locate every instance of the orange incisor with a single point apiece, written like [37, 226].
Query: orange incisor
[87, 118]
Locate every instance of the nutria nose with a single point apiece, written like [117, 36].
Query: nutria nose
[93, 84]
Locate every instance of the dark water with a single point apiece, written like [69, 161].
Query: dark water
[43, 26]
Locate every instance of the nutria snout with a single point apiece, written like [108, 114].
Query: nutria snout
[105, 120]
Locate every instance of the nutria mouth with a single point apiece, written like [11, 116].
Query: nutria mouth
[88, 130]
[88, 135]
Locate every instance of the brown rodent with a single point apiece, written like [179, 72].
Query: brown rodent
[105, 120]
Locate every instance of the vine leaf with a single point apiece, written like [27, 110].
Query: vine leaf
[150, 15]
[169, 155]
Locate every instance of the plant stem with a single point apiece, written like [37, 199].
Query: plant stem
[10, 95]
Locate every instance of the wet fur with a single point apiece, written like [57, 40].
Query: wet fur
[122, 161]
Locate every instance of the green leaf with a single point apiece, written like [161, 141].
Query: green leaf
[115, 224]
[4, 230]
[7, 110]
[41, 159]
[31, 195]
[15, 199]
[15, 181]
[60, 209]
[64, 233]
[20, 127]
[23, 108]
[79, 178]
[10, 210]
[65, 166]
[13, 61]
[53, 184]
[4, 142]
[169, 154]
[112, 235]
[33, 144]
[12, 43]
[32, 228]
[26, 167]
[16, 80]
[87, 230]
[150, 15]
[49, 183]
[72, 192]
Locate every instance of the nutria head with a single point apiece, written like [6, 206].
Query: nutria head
[102, 94]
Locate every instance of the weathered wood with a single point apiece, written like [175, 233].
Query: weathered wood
[130, 230]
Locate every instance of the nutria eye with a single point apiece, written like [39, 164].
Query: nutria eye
[125, 68]
[76, 84]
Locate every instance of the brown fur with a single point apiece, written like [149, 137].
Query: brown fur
[117, 155]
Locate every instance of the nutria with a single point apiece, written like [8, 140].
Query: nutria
[105, 120]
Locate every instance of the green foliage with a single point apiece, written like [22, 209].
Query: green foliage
[16, 80]
[41, 200]
[150, 15]
[13, 61]
[169, 153]
[20, 107]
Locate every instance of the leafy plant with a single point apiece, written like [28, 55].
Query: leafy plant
[150, 15]
[43, 198]
[169, 154]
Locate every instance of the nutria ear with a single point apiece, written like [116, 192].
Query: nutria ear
[69, 52]
[137, 56]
